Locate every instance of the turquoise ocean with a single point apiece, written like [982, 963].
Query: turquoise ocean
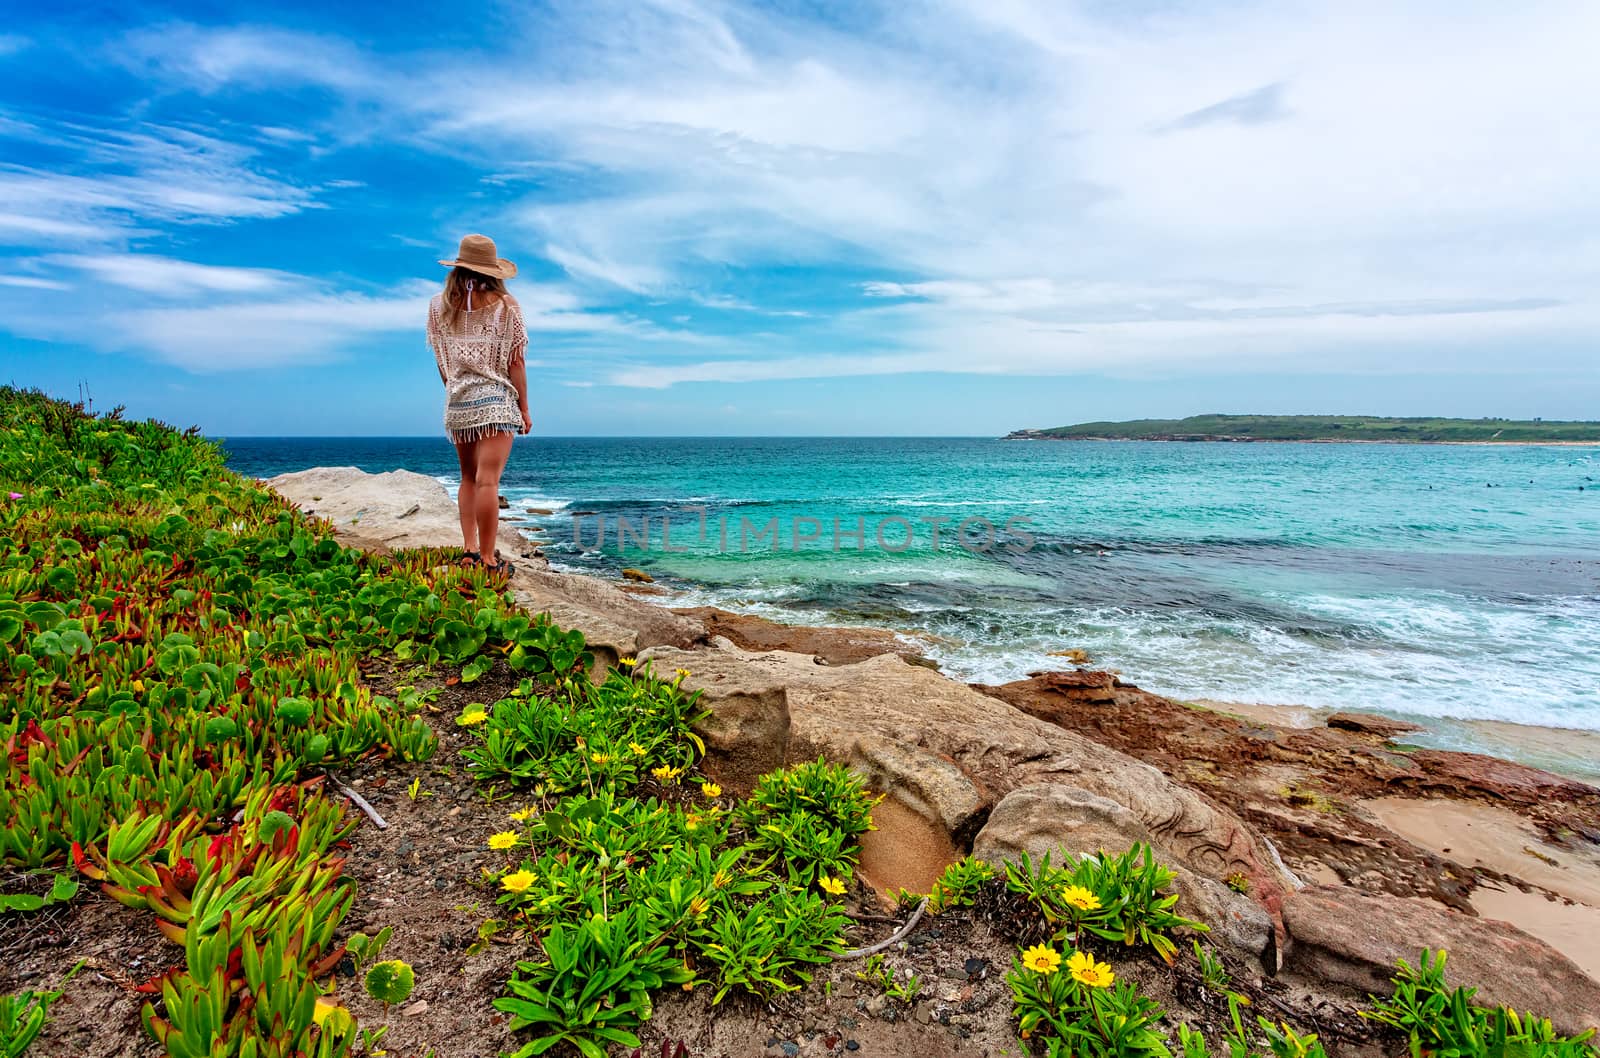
[1458, 582]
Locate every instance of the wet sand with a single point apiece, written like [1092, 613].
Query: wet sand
[1482, 835]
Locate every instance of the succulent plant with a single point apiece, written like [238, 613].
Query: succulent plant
[390, 981]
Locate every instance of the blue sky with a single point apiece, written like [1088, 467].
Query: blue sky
[954, 217]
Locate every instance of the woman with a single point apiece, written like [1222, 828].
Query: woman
[475, 329]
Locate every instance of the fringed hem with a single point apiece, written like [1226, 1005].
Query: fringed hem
[480, 433]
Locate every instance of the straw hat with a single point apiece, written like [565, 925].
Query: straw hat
[477, 252]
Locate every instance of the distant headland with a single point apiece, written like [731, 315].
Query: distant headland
[1373, 428]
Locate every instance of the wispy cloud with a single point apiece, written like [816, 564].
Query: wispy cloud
[135, 177]
[1257, 107]
[968, 187]
[33, 283]
[172, 278]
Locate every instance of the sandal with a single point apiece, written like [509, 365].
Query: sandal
[499, 567]
[471, 558]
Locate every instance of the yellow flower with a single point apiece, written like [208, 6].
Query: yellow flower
[1083, 968]
[636, 749]
[683, 674]
[711, 789]
[522, 815]
[1042, 960]
[517, 881]
[474, 715]
[830, 884]
[720, 879]
[138, 685]
[627, 663]
[699, 906]
[503, 840]
[1080, 898]
[665, 773]
[600, 758]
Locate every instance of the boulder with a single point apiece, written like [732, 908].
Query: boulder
[1236, 922]
[746, 731]
[505, 504]
[932, 787]
[614, 624]
[1354, 938]
[1064, 821]
[394, 510]
[833, 646]
[637, 575]
[1384, 727]
[996, 747]
[1079, 685]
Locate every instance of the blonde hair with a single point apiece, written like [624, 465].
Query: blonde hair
[456, 286]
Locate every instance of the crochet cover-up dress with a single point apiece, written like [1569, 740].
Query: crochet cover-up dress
[475, 357]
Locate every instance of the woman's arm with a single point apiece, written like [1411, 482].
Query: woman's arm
[517, 369]
[519, 379]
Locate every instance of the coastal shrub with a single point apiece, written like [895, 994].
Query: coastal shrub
[809, 816]
[576, 736]
[633, 874]
[1121, 898]
[22, 1016]
[1074, 1005]
[180, 653]
[960, 884]
[1444, 1021]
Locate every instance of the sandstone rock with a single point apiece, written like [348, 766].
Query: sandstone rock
[1501, 779]
[835, 646]
[1372, 724]
[996, 746]
[1064, 821]
[505, 504]
[747, 731]
[395, 510]
[1354, 938]
[1079, 685]
[637, 575]
[1076, 654]
[930, 786]
[1236, 922]
[614, 624]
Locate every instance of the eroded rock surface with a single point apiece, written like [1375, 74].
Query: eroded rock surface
[1353, 938]
[848, 712]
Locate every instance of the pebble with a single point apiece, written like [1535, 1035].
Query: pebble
[419, 1007]
[924, 1012]
[875, 1005]
[851, 1045]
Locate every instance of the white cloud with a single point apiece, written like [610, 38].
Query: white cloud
[240, 335]
[1042, 187]
[137, 176]
[172, 278]
[32, 283]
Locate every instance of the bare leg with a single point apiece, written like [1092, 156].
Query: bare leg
[466, 496]
[492, 453]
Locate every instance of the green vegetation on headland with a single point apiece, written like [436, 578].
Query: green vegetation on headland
[1320, 428]
[181, 663]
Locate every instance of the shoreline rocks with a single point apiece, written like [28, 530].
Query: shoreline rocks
[1072, 760]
